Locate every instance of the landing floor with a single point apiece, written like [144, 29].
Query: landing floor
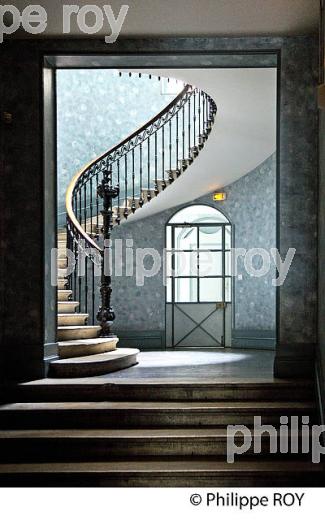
[182, 366]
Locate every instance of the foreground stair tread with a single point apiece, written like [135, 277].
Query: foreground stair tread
[173, 405]
[173, 382]
[147, 434]
[159, 466]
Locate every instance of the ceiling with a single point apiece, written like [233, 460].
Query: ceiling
[243, 136]
[196, 17]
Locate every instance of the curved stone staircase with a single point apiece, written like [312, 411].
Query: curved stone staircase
[182, 129]
[82, 353]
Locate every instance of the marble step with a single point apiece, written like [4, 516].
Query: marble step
[62, 283]
[164, 473]
[66, 319]
[108, 414]
[65, 307]
[78, 332]
[148, 193]
[86, 347]
[64, 295]
[92, 365]
[62, 263]
[62, 272]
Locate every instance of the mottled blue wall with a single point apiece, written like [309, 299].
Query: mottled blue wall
[251, 208]
[96, 109]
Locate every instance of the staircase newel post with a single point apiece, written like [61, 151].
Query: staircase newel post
[106, 314]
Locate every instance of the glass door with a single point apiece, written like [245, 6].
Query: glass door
[198, 303]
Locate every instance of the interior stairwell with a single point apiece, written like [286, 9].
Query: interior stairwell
[74, 429]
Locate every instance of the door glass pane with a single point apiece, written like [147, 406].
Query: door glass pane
[186, 264]
[185, 238]
[198, 213]
[228, 289]
[228, 270]
[210, 289]
[169, 290]
[169, 237]
[210, 237]
[182, 263]
[227, 237]
[210, 263]
[185, 290]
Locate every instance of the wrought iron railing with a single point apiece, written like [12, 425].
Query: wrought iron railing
[121, 181]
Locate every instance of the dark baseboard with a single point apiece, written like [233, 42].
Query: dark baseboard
[141, 339]
[295, 360]
[258, 339]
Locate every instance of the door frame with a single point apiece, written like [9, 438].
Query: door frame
[223, 276]
[239, 58]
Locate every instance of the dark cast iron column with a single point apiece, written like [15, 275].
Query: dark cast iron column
[106, 314]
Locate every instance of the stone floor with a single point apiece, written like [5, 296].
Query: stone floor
[214, 365]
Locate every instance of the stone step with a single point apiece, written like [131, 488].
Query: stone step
[62, 273]
[130, 201]
[163, 184]
[62, 283]
[67, 319]
[164, 473]
[172, 175]
[64, 295]
[78, 332]
[86, 347]
[140, 414]
[65, 307]
[145, 193]
[92, 365]
[62, 263]
[163, 390]
[102, 445]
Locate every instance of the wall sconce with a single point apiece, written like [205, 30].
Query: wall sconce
[219, 195]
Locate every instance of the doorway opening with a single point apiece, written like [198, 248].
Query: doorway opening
[198, 284]
[203, 307]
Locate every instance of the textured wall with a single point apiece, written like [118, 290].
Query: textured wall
[251, 208]
[89, 123]
[298, 191]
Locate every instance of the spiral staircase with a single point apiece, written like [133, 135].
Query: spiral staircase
[103, 195]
